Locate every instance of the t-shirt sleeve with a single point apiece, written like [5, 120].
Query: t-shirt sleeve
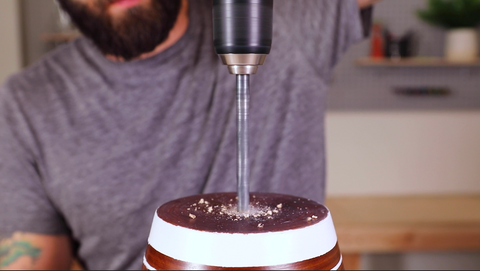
[322, 29]
[24, 204]
[353, 25]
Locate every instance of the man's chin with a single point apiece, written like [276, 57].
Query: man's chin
[125, 28]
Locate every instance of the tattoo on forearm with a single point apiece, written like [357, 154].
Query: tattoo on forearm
[12, 249]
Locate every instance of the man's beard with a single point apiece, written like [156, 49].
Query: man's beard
[140, 30]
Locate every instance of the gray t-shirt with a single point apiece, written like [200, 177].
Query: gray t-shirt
[91, 148]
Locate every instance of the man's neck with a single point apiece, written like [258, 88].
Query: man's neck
[175, 34]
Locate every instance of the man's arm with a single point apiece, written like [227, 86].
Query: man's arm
[35, 251]
[366, 3]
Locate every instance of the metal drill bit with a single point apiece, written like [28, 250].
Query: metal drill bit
[243, 99]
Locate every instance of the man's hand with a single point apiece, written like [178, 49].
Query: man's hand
[35, 251]
[366, 3]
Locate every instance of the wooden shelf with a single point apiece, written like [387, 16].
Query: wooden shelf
[413, 62]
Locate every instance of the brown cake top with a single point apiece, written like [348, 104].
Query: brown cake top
[218, 213]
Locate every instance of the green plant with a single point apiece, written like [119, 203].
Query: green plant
[451, 13]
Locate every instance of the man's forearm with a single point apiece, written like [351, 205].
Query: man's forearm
[34, 251]
[17, 253]
[366, 3]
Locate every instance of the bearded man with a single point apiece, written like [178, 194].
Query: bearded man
[140, 111]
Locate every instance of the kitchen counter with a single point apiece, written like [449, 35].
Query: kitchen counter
[405, 224]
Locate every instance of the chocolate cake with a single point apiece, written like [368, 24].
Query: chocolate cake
[277, 232]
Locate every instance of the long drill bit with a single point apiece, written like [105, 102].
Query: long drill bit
[243, 99]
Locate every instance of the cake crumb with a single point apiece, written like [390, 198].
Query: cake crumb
[202, 201]
[260, 225]
[279, 206]
[314, 217]
[309, 219]
[210, 209]
[192, 216]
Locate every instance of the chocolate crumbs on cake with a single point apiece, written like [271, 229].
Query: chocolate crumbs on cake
[267, 212]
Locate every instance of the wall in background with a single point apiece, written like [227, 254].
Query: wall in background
[38, 17]
[10, 44]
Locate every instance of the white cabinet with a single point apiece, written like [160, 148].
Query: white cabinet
[403, 152]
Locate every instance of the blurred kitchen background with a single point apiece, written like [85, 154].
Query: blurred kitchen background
[402, 120]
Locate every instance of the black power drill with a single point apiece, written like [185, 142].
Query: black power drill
[242, 36]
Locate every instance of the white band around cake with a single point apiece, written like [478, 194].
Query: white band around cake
[243, 250]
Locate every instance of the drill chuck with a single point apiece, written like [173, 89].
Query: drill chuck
[242, 33]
